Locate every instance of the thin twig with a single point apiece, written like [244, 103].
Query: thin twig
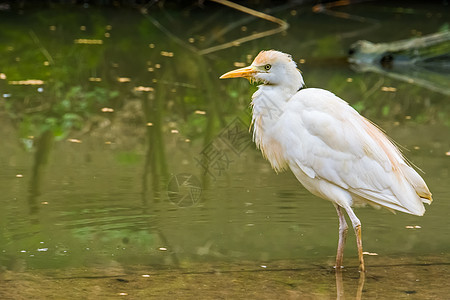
[283, 26]
[41, 47]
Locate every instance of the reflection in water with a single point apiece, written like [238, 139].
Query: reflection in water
[44, 144]
[108, 213]
[340, 285]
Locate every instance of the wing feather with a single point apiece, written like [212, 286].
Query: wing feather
[328, 139]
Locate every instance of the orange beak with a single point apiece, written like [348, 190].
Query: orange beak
[246, 72]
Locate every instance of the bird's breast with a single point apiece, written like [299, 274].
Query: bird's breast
[271, 148]
[268, 107]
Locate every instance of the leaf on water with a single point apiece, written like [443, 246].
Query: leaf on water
[167, 53]
[88, 41]
[388, 89]
[27, 82]
[144, 89]
[74, 141]
[413, 227]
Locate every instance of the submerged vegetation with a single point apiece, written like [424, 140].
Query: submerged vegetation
[102, 107]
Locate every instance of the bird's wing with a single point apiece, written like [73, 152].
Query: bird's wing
[328, 139]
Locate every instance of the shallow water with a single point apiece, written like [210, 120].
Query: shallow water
[132, 158]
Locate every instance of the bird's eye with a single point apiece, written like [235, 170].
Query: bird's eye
[267, 67]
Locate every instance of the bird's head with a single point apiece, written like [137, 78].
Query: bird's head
[271, 68]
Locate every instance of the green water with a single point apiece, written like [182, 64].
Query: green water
[132, 158]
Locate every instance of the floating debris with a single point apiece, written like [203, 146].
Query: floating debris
[123, 79]
[88, 41]
[150, 69]
[95, 79]
[122, 294]
[52, 28]
[388, 89]
[238, 64]
[149, 124]
[167, 53]
[144, 89]
[447, 153]
[263, 266]
[74, 141]
[151, 45]
[174, 131]
[83, 28]
[349, 79]
[27, 82]
[408, 117]
[302, 61]
[416, 147]
[370, 253]
[413, 227]
[107, 35]
[145, 275]
[19, 176]
[42, 249]
[200, 112]
[191, 40]
[2, 76]
[107, 109]
[162, 249]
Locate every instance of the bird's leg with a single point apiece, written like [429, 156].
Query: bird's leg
[357, 227]
[343, 228]
[360, 249]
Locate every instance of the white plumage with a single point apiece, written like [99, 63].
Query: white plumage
[333, 151]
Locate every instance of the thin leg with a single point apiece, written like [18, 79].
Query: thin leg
[343, 228]
[357, 227]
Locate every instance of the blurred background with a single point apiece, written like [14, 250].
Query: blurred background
[122, 148]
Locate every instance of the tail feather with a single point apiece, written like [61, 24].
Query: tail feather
[417, 183]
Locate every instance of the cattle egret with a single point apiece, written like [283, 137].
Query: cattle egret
[332, 150]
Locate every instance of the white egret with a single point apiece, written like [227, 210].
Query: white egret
[332, 150]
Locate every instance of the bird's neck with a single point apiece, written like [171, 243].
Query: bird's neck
[268, 104]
